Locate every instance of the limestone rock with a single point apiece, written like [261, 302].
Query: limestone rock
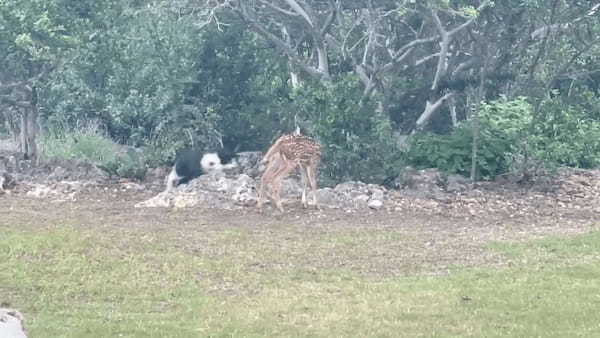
[375, 204]
[11, 324]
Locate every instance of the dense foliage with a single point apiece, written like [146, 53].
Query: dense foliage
[520, 76]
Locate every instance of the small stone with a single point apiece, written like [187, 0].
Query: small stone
[375, 204]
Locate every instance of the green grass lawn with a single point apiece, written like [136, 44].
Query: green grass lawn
[112, 283]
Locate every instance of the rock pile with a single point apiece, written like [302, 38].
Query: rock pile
[231, 192]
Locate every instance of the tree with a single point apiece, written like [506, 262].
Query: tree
[36, 38]
[132, 74]
[378, 41]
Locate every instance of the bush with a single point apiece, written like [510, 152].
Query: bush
[566, 135]
[509, 125]
[128, 162]
[84, 143]
[452, 153]
[358, 143]
[136, 102]
[504, 130]
[515, 140]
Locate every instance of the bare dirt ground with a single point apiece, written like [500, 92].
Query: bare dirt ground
[411, 235]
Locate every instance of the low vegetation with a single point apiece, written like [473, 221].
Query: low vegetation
[90, 144]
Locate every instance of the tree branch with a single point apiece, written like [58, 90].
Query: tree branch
[298, 9]
[447, 37]
[6, 99]
[430, 109]
[281, 45]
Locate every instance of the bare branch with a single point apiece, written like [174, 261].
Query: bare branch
[333, 10]
[6, 99]
[426, 58]
[465, 65]
[282, 46]
[279, 9]
[369, 45]
[430, 109]
[406, 50]
[398, 54]
[11, 85]
[298, 9]
[447, 37]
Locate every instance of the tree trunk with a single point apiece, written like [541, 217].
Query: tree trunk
[23, 132]
[28, 133]
[294, 77]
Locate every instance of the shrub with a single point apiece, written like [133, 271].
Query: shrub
[357, 141]
[452, 153]
[128, 162]
[515, 140]
[86, 143]
[504, 130]
[566, 135]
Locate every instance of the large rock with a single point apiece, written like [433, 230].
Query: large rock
[249, 163]
[7, 181]
[73, 170]
[243, 191]
[359, 195]
[328, 197]
[361, 201]
[457, 183]
[420, 183]
[11, 324]
[157, 175]
[352, 189]
[377, 193]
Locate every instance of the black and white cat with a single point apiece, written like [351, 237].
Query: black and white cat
[191, 163]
